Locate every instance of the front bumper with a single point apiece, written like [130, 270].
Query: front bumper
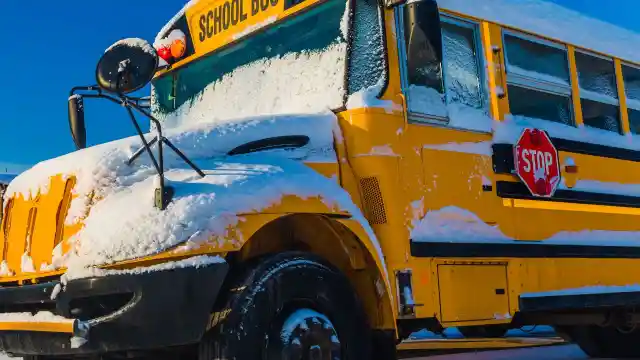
[124, 312]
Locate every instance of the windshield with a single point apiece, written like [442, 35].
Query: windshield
[294, 66]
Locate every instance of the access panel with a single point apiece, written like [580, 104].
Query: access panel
[473, 292]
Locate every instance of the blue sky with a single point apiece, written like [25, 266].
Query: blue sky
[54, 45]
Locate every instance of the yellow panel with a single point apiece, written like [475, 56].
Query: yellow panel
[17, 232]
[492, 40]
[622, 95]
[470, 292]
[575, 86]
[214, 24]
[38, 326]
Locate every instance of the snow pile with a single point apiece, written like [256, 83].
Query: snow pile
[428, 101]
[136, 43]
[41, 316]
[454, 224]
[202, 207]
[476, 148]
[173, 20]
[105, 165]
[555, 21]
[368, 97]
[305, 82]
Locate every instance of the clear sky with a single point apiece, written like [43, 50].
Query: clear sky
[50, 46]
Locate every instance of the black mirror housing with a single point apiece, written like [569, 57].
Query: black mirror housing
[76, 121]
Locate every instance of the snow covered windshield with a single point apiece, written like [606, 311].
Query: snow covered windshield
[294, 66]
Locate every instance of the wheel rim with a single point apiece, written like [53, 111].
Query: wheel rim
[308, 335]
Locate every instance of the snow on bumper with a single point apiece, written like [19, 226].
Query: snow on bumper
[129, 311]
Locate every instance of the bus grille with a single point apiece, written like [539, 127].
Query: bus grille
[373, 203]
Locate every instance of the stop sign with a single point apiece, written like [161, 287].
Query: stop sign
[536, 162]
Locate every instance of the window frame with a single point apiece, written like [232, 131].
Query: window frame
[479, 49]
[430, 119]
[587, 93]
[351, 5]
[537, 84]
[624, 82]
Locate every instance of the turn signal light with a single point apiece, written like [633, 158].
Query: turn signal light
[173, 46]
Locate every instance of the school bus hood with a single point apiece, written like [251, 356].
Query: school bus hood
[90, 207]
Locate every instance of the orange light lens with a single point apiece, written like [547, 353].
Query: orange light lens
[178, 48]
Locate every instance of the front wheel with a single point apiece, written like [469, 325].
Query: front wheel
[291, 306]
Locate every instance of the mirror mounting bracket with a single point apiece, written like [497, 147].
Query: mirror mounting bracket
[164, 193]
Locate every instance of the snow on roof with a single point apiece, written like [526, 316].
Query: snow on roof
[172, 21]
[134, 42]
[554, 21]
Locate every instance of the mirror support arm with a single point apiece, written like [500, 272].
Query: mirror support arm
[163, 193]
[165, 140]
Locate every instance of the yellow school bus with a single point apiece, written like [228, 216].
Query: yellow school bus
[335, 176]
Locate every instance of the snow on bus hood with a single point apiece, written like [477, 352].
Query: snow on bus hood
[124, 224]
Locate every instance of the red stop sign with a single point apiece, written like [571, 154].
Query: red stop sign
[536, 162]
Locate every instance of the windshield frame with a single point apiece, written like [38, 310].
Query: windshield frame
[174, 71]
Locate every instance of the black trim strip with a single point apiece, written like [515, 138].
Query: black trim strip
[515, 190]
[521, 249]
[580, 147]
[503, 162]
[578, 301]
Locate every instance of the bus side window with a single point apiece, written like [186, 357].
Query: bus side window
[441, 91]
[538, 80]
[598, 92]
[631, 77]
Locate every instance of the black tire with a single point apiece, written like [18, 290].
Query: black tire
[605, 342]
[275, 291]
[484, 331]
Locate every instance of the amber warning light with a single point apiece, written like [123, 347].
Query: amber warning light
[172, 47]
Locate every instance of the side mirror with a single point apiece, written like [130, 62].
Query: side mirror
[76, 121]
[127, 66]
[423, 39]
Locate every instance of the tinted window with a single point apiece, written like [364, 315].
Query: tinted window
[541, 105]
[596, 75]
[632, 85]
[634, 121]
[598, 92]
[536, 60]
[601, 115]
[311, 31]
[430, 91]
